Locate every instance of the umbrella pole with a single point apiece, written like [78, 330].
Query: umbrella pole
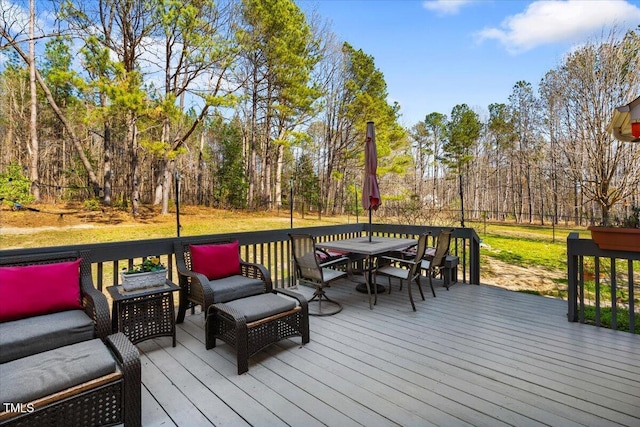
[369, 224]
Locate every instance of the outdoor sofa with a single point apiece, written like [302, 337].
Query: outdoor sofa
[59, 363]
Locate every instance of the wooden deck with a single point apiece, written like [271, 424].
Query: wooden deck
[475, 355]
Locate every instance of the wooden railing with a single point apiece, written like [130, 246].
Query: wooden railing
[602, 282]
[270, 248]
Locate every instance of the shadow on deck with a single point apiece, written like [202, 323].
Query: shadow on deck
[475, 355]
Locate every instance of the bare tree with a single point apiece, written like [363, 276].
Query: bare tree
[593, 80]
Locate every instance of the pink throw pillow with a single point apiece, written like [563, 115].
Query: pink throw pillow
[216, 261]
[34, 290]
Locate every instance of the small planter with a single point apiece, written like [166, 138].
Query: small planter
[616, 239]
[136, 281]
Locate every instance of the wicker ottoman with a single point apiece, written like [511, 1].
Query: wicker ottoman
[252, 323]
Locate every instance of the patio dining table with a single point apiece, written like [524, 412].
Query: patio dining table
[370, 247]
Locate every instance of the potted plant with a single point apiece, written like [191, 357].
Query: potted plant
[147, 274]
[620, 234]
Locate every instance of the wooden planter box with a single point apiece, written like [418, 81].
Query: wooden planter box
[616, 239]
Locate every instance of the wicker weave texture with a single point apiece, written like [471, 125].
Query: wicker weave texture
[96, 407]
[262, 335]
[146, 317]
[229, 326]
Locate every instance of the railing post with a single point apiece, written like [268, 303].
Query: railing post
[474, 258]
[572, 276]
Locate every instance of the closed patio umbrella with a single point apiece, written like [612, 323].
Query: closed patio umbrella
[370, 191]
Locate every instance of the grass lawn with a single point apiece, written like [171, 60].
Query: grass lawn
[26, 229]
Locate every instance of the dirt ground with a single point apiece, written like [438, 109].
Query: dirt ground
[516, 278]
[68, 215]
[493, 272]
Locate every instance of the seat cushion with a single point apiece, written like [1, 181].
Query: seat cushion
[42, 374]
[21, 338]
[262, 306]
[234, 287]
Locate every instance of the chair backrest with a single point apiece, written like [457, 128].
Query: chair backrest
[442, 247]
[420, 250]
[86, 279]
[303, 247]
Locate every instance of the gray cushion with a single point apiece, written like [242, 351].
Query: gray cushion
[24, 337]
[42, 374]
[262, 306]
[234, 287]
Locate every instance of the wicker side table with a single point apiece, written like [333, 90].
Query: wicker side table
[146, 313]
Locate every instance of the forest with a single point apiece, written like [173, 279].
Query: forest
[245, 104]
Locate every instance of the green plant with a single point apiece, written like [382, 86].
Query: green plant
[15, 186]
[92, 204]
[146, 266]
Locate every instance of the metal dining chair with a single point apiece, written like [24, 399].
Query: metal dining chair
[436, 263]
[318, 274]
[404, 269]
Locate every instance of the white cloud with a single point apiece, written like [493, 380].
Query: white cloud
[547, 22]
[445, 7]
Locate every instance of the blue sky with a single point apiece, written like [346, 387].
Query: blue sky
[437, 54]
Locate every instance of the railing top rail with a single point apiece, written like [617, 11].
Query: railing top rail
[130, 250]
[587, 247]
[139, 248]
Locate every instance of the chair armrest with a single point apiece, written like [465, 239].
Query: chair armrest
[129, 359]
[199, 282]
[392, 260]
[195, 277]
[96, 306]
[257, 271]
[340, 260]
[126, 353]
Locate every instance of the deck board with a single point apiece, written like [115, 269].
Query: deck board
[472, 356]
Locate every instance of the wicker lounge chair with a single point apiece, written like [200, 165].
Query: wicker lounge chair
[240, 305]
[198, 289]
[61, 366]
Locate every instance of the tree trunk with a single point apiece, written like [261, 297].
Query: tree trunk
[108, 174]
[278, 183]
[132, 137]
[200, 173]
[34, 150]
[461, 200]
